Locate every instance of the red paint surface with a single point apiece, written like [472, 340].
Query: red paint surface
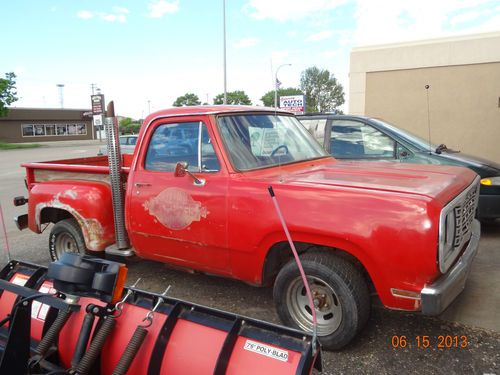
[193, 349]
[386, 215]
[126, 324]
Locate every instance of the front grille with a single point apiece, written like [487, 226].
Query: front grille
[464, 215]
[455, 226]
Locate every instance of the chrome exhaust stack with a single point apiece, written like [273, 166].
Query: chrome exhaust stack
[122, 246]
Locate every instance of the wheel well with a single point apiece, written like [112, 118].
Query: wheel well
[53, 215]
[280, 253]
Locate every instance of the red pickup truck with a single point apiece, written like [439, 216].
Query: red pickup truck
[196, 196]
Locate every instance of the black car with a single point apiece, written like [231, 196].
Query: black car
[358, 137]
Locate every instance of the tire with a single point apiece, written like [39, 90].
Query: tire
[339, 289]
[66, 236]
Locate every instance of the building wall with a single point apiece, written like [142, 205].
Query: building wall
[43, 125]
[463, 107]
[463, 73]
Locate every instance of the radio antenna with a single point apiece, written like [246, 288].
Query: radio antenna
[427, 87]
[301, 269]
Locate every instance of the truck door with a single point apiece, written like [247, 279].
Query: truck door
[175, 219]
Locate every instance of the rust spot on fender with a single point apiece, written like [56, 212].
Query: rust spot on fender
[175, 209]
[92, 230]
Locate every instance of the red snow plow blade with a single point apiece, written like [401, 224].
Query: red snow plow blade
[65, 319]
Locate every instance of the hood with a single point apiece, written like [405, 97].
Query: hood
[471, 161]
[436, 182]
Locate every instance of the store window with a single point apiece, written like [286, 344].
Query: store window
[42, 130]
[27, 130]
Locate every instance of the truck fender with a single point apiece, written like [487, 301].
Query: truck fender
[276, 243]
[88, 202]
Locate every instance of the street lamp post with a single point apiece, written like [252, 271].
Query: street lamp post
[60, 86]
[224, 47]
[276, 84]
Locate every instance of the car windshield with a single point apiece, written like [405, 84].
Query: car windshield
[264, 140]
[412, 138]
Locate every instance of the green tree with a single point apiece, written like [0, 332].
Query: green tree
[268, 98]
[7, 92]
[234, 97]
[129, 126]
[322, 90]
[186, 100]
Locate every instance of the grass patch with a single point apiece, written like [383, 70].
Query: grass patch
[13, 146]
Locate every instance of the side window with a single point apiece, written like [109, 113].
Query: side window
[316, 127]
[352, 139]
[132, 141]
[188, 141]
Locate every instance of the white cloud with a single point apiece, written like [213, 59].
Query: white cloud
[279, 56]
[158, 8]
[285, 10]
[331, 54]
[121, 10]
[464, 17]
[85, 14]
[119, 15]
[397, 20]
[113, 17]
[247, 42]
[322, 35]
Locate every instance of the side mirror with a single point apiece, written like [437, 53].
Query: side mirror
[181, 168]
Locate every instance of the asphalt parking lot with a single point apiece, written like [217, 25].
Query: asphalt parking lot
[392, 341]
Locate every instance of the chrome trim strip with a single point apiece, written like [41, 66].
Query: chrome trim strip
[203, 113]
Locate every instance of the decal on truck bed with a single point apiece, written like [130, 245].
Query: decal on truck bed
[175, 209]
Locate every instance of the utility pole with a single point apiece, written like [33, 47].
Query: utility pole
[93, 86]
[60, 86]
[224, 24]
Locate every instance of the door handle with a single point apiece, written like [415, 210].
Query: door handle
[141, 184]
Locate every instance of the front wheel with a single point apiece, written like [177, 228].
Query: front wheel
[340, 295]
[66, 237]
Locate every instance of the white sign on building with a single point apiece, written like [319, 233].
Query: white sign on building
[293, 103]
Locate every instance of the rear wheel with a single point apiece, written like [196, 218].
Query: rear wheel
[340, 295]
[66, 237]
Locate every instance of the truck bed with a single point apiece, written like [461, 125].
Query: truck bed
[90, 168]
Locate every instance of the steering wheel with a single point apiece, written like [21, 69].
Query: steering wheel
[278, 148]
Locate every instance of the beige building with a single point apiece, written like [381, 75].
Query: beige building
[463, 98]
[36, 125]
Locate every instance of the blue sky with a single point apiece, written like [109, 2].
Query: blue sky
[143, 54]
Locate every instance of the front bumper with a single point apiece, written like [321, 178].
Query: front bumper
[437, 296]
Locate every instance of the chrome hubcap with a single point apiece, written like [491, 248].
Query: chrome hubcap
[326, 304]
[65, 243]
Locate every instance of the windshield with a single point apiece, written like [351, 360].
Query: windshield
[416, 140]
[264, 140]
